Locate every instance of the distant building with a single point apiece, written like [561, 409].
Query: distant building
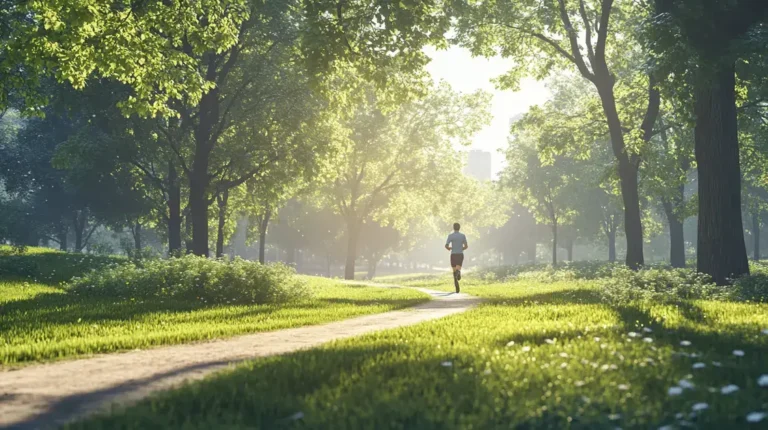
[479, 165]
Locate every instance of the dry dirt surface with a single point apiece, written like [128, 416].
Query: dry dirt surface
[49, 395]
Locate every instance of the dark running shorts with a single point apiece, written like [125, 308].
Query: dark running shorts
[457, 259]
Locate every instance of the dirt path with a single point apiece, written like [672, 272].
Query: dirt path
[48, 395]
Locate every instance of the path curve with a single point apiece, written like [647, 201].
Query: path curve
[48, 395]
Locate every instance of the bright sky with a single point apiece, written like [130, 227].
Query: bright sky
[467, 74]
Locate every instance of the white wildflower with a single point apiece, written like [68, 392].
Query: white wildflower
[700, 407]
[728, 389]
[763, 381]
[675, 391]
[738, 353]
[686, 384]
[446, 364]
[526, 348]
[699, 365]
[685, 343]
[756, 417]
[647, 340]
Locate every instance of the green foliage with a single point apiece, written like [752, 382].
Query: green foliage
[535, 356]
[39, 322]
[193, 278]
[146, 45]
[50, 267]
[753, 287]
[569, 270]
[653, 285]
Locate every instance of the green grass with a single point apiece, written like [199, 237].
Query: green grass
[41, 322]
[536, 355]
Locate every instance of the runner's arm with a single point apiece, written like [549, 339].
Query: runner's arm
[447, 241]
[465, 245]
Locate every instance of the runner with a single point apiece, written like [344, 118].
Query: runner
[456, 243]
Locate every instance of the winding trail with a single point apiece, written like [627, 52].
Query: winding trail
[49, 395]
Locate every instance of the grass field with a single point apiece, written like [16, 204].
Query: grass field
[42, 322]
[537, 355]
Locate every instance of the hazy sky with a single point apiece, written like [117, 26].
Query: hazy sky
[467, 74]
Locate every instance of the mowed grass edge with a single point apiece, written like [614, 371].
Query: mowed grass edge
[535, 355]
[40, 322]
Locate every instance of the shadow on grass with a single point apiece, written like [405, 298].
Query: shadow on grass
[384, 383]
[52, 268]
[49, 309]
[563, 297]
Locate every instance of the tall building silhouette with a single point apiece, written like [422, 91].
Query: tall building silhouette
[479, 165]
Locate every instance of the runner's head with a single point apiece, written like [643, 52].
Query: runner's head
[456, 226]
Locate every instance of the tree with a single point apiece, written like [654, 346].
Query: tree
[543, 37]
[546, 189]
[145, 44]
[704, 38]
[397, 160]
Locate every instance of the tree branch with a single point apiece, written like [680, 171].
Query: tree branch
[588, 30]
[602, 30]
[575, 50]
[544, 39]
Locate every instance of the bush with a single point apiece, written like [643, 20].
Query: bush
[50, 266]
[753, 287]
[545, 272]
[194, 278]
[658, 286]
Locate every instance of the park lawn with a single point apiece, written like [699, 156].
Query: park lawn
[40, 322]
[534, 356]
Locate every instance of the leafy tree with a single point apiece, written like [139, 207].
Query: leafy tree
[397, 160]
[148, 45]
[586, 36]
[546, 189]
[703, 39]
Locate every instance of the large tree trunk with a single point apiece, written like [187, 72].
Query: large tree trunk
[78, 222]
[198, 205]
[188, 234]
[676, 235]
[612, 245]
[569, 249]
[62, 237]
[199, 179]
[756, 235]
[174, 211]
[136, 231]
[721, 252]
[263, 225]
[222, 202]
[633, 227]
[372, 263]
[353, 232]
[554, 243]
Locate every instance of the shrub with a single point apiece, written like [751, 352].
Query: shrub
[753, 287]
[587, 270]
[50, 266]
[658, 285]
[194, 278]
